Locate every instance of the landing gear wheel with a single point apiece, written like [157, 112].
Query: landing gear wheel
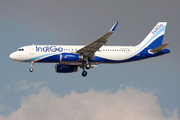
[31, 69]
[87, 66]
[84, 73]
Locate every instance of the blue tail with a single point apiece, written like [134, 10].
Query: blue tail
[155, 37]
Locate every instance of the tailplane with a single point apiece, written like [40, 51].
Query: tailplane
[159, 48]
[155, 37]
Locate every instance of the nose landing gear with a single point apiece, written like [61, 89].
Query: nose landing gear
[31, 69]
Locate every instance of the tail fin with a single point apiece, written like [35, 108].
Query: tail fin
[155, 37]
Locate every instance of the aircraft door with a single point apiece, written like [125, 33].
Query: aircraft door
[31, 49]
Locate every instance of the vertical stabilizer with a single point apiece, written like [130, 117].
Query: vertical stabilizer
[155, 37]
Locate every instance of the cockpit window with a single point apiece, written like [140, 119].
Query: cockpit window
[20, 49]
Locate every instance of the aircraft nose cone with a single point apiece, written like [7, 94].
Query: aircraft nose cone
[12, 56]
[15, 56]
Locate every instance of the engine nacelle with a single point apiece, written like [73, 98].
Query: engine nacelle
[71, 57]
[61, 68]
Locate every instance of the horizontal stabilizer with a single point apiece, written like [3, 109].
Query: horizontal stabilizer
[160, 48]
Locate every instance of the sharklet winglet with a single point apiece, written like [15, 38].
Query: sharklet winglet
[114, 27]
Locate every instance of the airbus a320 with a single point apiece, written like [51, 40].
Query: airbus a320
[69, 57]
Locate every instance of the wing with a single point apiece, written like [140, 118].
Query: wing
[91, 48]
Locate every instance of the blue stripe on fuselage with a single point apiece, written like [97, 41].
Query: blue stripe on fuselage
[53, 58]
[38, 57]
[143, 55]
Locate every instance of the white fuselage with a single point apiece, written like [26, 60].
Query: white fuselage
[37, 52]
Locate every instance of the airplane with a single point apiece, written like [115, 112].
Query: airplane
[69, 57]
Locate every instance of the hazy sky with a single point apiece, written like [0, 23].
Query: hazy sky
[145, 90]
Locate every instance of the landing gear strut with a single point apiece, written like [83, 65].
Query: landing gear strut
[86, 65]
[31, 69]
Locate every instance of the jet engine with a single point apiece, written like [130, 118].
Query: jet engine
[61, 68]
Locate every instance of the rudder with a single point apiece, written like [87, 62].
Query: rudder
[155, 37]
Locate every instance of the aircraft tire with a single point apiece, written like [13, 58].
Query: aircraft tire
[84, 73]
[87, 66]
[31, 69]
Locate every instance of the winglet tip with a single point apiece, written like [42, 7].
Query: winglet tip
[114, 27]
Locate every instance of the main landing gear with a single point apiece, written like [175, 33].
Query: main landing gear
[87, 66]
[31, 69]
[84, 73]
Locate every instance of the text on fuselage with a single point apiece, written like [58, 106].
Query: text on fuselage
[49, 49]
